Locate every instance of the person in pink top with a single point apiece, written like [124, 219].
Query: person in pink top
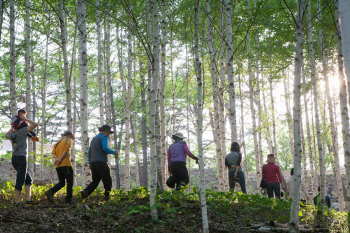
[177, 160]
[273, 177]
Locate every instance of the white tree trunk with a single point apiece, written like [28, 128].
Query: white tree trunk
[267, 123]
[317, 118]
[127, 117]
[29, 81]
[344, 50]
[294, 213]
[230, 71]
[99, 63]
[273, 119]
[219, 152]
[199, 123]
[84, 97]
[162, 97]
[251, 95]
[152, 103]
[67, 78]
[289, 117]
[108, 73]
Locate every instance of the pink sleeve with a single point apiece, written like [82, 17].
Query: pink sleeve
[279, 176]
[169, 158]
[188, 152]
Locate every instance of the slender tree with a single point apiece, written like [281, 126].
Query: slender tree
[99, 62]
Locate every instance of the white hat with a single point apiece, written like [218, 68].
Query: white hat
[179, 135]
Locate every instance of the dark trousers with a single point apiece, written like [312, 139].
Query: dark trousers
[180, 173]
[64, 173]
[240, 176]
[20, 164]
[100, 170]
[274, 188]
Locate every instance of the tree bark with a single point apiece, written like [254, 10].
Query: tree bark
[317, 118]
[67, 78]
[153, 102]
[289, 117]
[84, 98]
[343, 38]
[273, 119]
[2, 5]
[144, 128]
[99, 63]
[251, 95]
[267, 123]
[219, 152]
[294, 214]
[13, 104]
[199, 123]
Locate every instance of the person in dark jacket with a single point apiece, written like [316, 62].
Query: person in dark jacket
[98, 162]
[273, 177]
[233, 162]
[177, 160]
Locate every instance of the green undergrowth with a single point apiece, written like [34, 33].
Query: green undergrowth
[129, 211]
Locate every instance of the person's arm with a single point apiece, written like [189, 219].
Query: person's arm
[32, 124]
[169, 161]
[66, 150]
[279, 176]
[54, 153]
[105, 146]
[227, 164]
[9, 134]
[188, 152]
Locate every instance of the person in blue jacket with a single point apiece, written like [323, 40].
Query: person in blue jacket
[98, 162]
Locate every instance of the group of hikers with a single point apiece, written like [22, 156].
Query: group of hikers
[21, 128]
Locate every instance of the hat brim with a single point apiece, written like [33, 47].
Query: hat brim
[174, 135]
[102, 129]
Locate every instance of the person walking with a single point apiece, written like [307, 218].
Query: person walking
[177, 160]
[98, 162]
[317, 199]
[273, 177]
[329, 191]
[63, 164]
[18, 138]
[233, 162]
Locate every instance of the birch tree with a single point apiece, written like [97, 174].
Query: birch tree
[13, 104]
[294, 213]
[152, 104]
[219, 152]
[84, 98]
[316, 110]
[200, 122]
[342, 15]
[99, 63]
[67, 78]
[2, 4]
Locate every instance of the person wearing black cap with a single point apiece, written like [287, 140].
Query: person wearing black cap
[63, 164]
[233, 162]
[98, 162]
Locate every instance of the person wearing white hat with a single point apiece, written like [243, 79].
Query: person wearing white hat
[177, 160]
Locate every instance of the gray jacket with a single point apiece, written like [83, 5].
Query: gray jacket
[233, 158]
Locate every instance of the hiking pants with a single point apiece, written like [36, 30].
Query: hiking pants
[20, 164]
[274, 188]
[100, 170]
[180, 173]
[64, 173]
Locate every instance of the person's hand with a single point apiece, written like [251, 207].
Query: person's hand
[90, 167]
[197, 159]
[235, 175]
[116, 153]
[23, 118]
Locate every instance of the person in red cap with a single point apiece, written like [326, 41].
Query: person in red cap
[98, 162]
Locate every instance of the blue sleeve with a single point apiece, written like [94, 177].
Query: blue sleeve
[328, 201]
[89, 155]
[105, 146]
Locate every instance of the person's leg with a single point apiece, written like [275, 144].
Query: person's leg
[231, 181]
[183, 174]
[27, 187]
[95, 179]
[105, 174]
[19, 164]
[269, 190]
[277, 190]
[175, 173]
[69, 178]
[61, 180]
[240, 175]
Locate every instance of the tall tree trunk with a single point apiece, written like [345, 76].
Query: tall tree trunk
[294, 213]
[116, 146]
[266, 121]
[343, 37]
[108, 73]
[143, 128]
[162, 95]
[84, 98]
[213, 71]
[127, 117]
[153, 109]
[2, 5]
[317, 118]
[99, 63]
[251, 95]
[332, 123]
[304, 173]
[67, 78]
[13, 104]
[29, 81]
[33, 117]
[289, 117]
[199, 123]
[229, 65]
[273, 119]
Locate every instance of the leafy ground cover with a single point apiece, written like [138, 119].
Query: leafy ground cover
[130, 212]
